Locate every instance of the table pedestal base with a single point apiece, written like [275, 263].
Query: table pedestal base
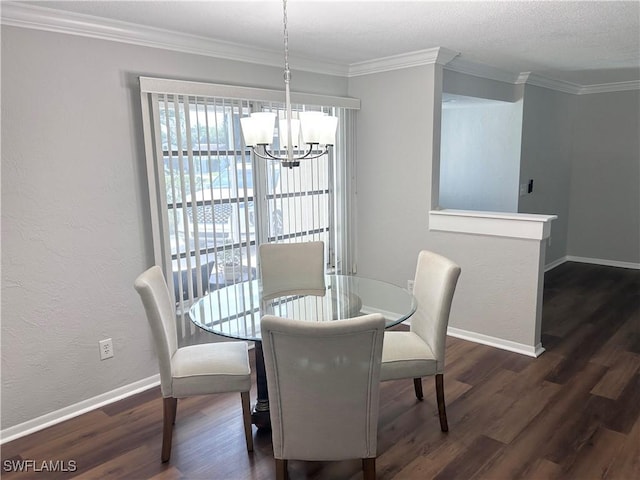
[260, 416]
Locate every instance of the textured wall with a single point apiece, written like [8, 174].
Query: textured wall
[75, 214]
[497, 293]
[604, 212]
[396, 166]
[546, 158]
[395, 141]
[480, 155]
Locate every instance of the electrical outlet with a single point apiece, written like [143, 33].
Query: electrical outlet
[410, 286]
[106, 349]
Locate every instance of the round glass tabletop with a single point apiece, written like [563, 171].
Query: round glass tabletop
[235, 311]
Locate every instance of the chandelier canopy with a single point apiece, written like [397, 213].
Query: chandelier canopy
[311, 135]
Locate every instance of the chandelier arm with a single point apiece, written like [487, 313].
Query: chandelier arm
[267, 155]
[317, 155]
[308, 156]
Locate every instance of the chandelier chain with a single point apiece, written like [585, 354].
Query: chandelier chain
[287, 73]
[287, 78]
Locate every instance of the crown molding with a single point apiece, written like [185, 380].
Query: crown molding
[468, 67]
[573, 88]
[481, 70]
[545, 82]
[439, 55]
[611, 87]
[47, 19]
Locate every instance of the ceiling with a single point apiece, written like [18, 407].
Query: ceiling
[584, 42]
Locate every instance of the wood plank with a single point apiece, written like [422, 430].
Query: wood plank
[136, 463]
[626, 339]
[470, 462]
[543, 469]
[522, 412]
[532, 443]
[431, 464]
[626, 463]
[626, 408]
[622, 371]
[596, 458]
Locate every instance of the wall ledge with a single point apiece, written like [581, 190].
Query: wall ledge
[511, 225]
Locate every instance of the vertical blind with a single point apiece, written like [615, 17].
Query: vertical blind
[212, 203]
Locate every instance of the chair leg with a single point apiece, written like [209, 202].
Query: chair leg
[246, 419]
[169, 408]
[417, 385]
[281, 469]
[174, 411]
[442, 411]
[369, 468]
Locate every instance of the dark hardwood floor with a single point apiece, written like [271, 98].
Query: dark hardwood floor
[572, 413]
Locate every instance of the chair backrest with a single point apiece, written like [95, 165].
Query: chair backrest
[160, 309]
[434, 286]
[323, 380]
[292, 268]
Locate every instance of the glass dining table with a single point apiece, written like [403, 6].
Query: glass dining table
[235, 312]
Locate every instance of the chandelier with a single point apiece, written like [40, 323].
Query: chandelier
[309, 136]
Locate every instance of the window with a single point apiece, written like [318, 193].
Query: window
[212, 203]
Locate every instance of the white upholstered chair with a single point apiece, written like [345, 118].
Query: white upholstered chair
[192, 370]
[323, 380]
[420, 352]
[292, 268]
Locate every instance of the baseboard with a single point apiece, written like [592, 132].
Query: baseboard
[530, 351]
[606, 263]
[555, 263]
[593, 261]
[53, 418]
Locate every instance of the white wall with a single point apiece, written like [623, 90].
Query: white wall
[497, 293]
[397, 185]
[395, 144]
[480, 154]
[604, 210]
[546, 158]
[75, 214]
[582, 151]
